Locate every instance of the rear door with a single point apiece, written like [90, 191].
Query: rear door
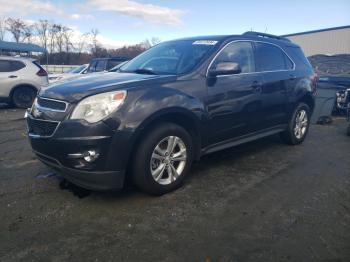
[278, 77]
[233, 101]
[8, 75]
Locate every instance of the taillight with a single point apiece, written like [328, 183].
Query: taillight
[41, 72]
[314, 80]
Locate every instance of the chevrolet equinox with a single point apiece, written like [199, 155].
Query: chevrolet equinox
[171, 105]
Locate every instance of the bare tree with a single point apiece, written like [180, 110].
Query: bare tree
[95, 46]
[81, 44]
[67, 35]
[59, 38]
[27, 33]
[2, 28]
[148, 43]
[53, 31]
[155, 41]
[42, 30]
[16, 28]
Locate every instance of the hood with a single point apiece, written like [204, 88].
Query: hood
[75, 89]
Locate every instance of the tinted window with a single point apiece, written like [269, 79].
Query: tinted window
[16, 65]
[100, 66]
[238, 52]
[112, 63]
[271, 58]
[5, 66]
[92, 67]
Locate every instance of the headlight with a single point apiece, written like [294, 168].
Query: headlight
[97, 107]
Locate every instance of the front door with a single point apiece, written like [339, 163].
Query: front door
[234, 101]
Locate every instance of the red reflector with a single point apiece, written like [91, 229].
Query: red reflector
[118, 96]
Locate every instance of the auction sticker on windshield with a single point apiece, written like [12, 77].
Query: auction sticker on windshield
[205, 42]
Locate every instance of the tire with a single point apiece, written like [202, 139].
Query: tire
[23, 97]
[348, 131]
[151, 165]
[292, 136]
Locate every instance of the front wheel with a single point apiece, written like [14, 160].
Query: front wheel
[163, 159]
[298, 125]
[23, 97]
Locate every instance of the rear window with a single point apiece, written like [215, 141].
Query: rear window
[271, 58]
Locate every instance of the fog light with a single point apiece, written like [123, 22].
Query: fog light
[91, 156]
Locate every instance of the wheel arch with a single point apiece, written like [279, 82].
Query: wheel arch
[182, 117]
[309, 100]
[22, 85]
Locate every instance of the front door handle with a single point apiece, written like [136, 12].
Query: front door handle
[257, 87]
[12, 76]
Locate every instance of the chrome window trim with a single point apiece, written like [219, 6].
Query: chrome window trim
[50, 109]
[40, 136]
[250, 73]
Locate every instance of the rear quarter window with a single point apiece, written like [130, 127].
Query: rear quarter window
[16, 65]
[271, 58]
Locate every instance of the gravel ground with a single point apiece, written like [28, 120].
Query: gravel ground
[263, 201]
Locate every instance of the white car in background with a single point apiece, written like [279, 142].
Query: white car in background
[69, 74]
[20, 80]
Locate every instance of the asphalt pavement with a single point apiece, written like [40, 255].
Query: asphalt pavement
[263, 201]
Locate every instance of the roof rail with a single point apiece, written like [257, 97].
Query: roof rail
[258, 34]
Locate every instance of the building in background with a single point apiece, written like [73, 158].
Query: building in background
[329, 41]
[327, 49]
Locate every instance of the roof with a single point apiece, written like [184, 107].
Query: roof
[319, 31]
[15, 58]
[111, 58]
[250, 35]
[20, 47]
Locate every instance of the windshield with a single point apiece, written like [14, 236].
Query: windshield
[76, 70]
[174, 58]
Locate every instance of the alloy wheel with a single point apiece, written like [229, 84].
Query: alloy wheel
[168, 160]
[301, 124]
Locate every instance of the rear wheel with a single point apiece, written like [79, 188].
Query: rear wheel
[298, 125]
[163, 159]
[23, 97]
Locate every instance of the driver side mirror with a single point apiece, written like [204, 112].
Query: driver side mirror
[225, 68]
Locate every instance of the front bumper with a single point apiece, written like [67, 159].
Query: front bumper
[99, 181]
[107, 172]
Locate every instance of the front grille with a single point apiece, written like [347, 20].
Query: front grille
[51, 104]
[41, 127]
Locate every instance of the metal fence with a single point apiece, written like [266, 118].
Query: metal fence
[58, 68]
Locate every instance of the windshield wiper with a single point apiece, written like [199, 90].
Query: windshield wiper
[144, 71]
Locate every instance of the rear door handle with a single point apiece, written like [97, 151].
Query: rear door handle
[12, 76]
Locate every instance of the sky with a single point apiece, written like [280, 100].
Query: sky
[126, 22]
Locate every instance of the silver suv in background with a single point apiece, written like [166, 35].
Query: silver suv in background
[20, 80]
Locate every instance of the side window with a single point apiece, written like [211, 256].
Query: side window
[16, 65]
[100, 66]
[238, 52]
[112, 63]
[92, 67]
[271, 58]
[5, 66]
